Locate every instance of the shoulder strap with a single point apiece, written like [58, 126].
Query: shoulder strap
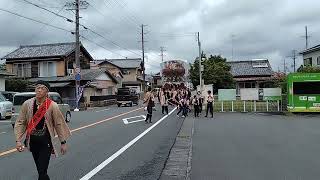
[38, 116]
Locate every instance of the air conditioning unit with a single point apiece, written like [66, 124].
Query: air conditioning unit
[70, 72]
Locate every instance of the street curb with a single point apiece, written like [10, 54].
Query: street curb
[178, 163]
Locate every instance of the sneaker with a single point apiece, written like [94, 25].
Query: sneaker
[183, 116]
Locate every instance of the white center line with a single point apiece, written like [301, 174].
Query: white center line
[3, 132]
[5, 121]
[102, 110]
[123, 149]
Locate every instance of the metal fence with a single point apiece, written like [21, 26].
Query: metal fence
[250, 106]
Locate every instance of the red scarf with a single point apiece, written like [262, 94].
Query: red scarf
[38, 116]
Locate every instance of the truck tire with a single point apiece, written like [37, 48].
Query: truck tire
[119, 105]
[131, 104]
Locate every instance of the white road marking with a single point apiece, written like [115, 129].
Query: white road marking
[3, 132]
[123, 149]
[125, 120]
[137, 121]
[5, 121]
[102, 110]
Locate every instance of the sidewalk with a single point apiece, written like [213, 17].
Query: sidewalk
[178, 165]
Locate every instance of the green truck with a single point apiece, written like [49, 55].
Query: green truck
[304, 92]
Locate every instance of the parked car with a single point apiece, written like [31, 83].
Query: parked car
[20, 98]
[8, 95]
[5, 108]
[127, 96]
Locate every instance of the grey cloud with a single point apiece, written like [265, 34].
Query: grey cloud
[263, 29]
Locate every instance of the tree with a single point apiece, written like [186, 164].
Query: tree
[308, 69]
[280, 80]
[17, 85]
[216, 72]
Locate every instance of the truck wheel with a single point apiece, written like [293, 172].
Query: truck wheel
[119, 105]
[131, 104]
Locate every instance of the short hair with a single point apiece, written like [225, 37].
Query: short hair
[209, 92]
[149, 88]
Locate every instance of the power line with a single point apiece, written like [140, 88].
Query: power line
[42, 28]
[121, 17]
[112, 41]
[131, 15]
[85, 27]
[35, 20]
[38, 6]
[102, 46]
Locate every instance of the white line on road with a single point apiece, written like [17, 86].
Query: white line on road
[5, 121]
[102, 110]
[125, 120]
[3, 132]
[123, 149]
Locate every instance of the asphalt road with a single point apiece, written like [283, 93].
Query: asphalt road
[96, 136]
[241, 146]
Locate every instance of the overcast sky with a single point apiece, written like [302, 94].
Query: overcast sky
[254, 28]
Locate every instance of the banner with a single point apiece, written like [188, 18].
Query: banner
[272, 94]
[227, 94]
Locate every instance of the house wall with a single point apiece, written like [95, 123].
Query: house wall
[84, 60]
[2, 83]
[314, 56]
[9, 68]
[131, 76]
[61, 68]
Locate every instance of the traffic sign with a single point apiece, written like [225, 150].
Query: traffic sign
[78, 77]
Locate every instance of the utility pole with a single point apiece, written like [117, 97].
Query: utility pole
[200, 59]
[143, 62]
[77, 5]
[306, 36]
[162, 50]
[77, 55]
[284, 66]
[232, 49]
[294, 56]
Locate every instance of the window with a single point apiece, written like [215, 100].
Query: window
[56, 99]
[306, 87]
[126, 72]
[47, 69]
[318, 60]
[109, 90]
[307, 61]
[2, 98]
[22, 69]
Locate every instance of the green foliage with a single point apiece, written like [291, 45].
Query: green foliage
[308, 69]
[17, 85]
[280, 80]
[216, 72]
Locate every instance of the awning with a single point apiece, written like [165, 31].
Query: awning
[59, 84]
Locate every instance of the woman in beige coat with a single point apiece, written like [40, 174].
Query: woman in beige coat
[40, 138]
